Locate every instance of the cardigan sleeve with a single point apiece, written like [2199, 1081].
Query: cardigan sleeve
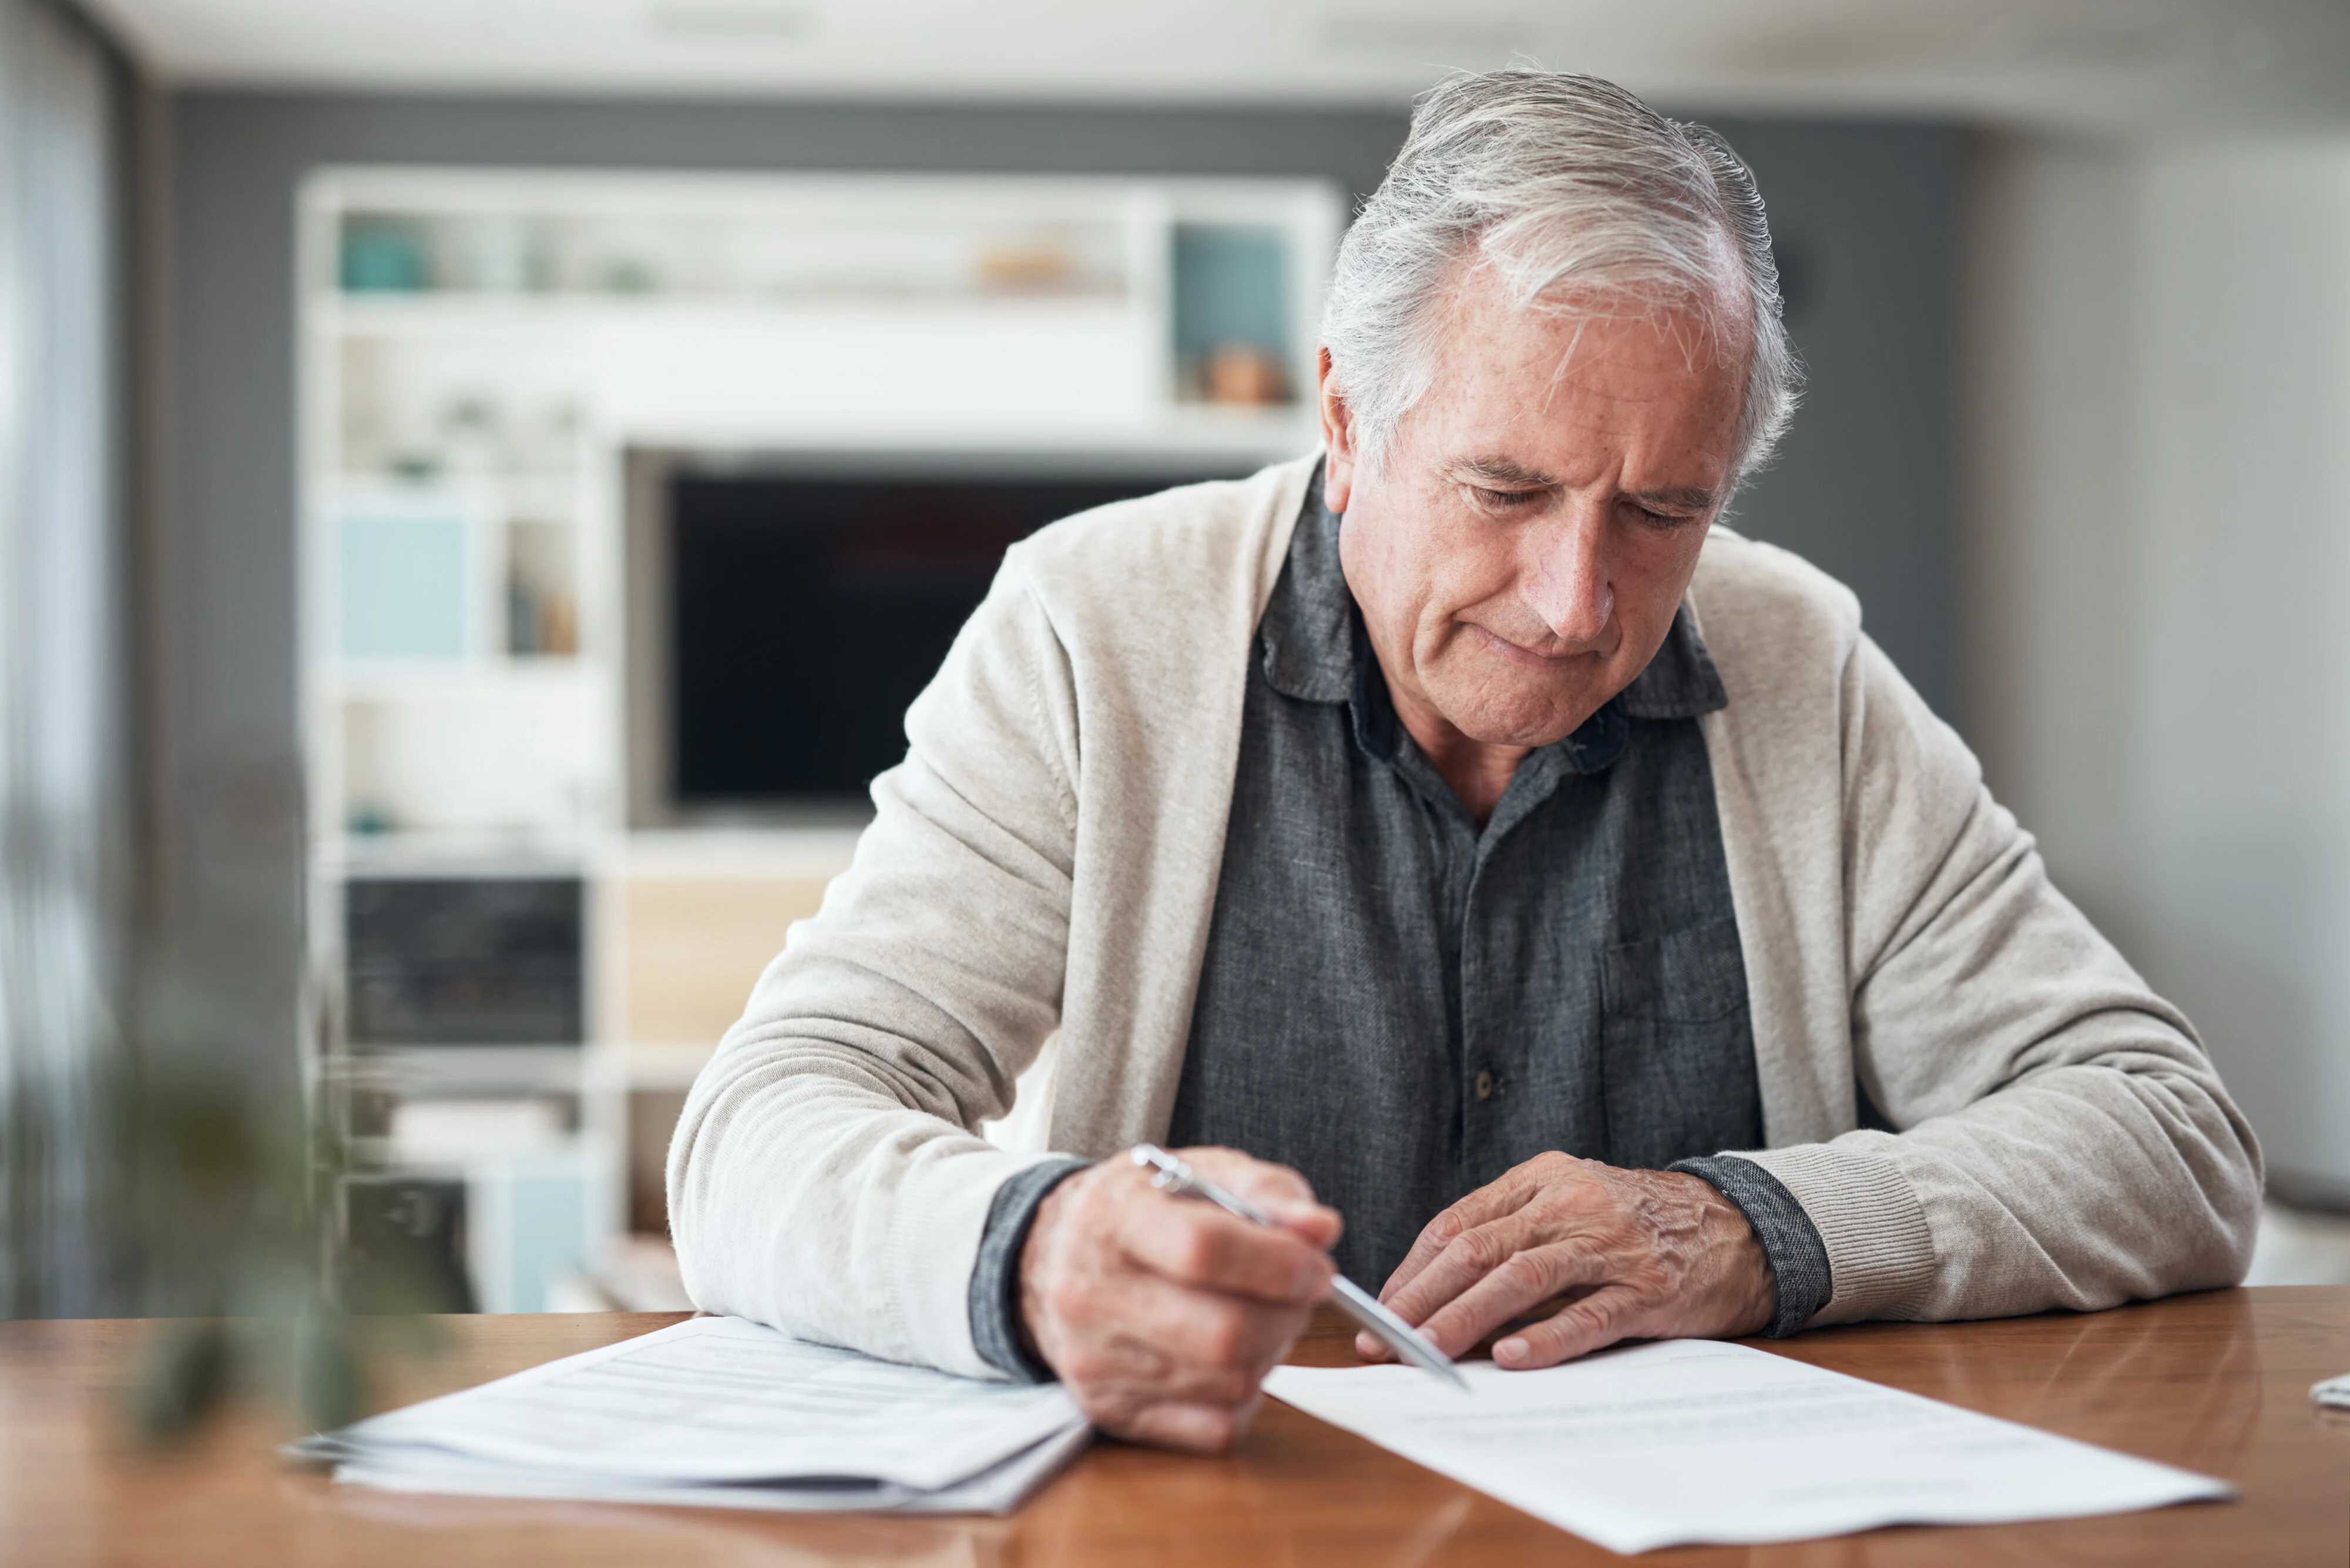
[826, 1175]
[2058, 1136]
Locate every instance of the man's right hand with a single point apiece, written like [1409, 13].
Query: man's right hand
[1163, 1314]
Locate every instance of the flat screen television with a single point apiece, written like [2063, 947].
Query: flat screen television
[785, 614]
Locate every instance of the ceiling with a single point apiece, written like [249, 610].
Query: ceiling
[2148, 65]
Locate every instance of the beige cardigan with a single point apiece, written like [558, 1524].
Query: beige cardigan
[1046, 859]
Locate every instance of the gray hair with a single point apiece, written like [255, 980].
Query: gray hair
[1575, 193]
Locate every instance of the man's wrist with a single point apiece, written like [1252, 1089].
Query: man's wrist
[998, 1331]
[1790, 1244]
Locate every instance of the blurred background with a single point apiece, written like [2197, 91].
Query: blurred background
[480, 479]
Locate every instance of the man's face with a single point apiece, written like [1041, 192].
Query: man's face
[1520, 553]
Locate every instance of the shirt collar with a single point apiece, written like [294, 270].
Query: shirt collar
[1315, 647]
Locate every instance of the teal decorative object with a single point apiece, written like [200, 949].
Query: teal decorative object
[1231, 289]
[384, 256]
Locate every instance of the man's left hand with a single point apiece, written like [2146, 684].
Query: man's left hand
[1634, 1254]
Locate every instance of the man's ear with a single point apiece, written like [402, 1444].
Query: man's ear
[1338, 436]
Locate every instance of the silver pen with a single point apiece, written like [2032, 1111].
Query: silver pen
[1180, 1181]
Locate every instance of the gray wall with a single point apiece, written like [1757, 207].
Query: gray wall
[1868, 217]
[2159, 649]
[1867, 223]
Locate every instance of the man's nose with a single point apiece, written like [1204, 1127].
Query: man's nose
[1567, 583]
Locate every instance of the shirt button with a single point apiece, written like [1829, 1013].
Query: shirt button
[1484, 1086]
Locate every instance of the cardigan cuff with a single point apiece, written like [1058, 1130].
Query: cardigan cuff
[1880, 1247]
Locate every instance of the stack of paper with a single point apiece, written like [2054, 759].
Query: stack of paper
[1691, 1441]
[720, 1412]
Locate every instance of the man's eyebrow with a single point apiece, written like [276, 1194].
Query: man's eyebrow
[1687, 498]
[1502, 471]
[1691, 498]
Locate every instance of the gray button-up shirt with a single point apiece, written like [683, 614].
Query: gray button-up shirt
[1402, 1005]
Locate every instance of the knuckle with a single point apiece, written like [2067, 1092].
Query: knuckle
[1527, 1270]
[1223, 1337]
[1480, 1250]
[1551, 1163]
[1193, 1254]
[1218, 1430]
[1592, 1314]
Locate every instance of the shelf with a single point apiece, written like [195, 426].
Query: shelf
[1283, 429]
[422, 1070]
[421, 680]
[788, 238]
[814, 850]
[477, 489]
[398, 313]
[430, 315]
[454, 853]
[474, 463]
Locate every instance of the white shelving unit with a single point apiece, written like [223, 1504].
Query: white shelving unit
[481, 351]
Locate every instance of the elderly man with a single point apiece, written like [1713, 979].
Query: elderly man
[1560, 887]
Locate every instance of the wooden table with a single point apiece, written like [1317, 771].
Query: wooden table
[2216, 1382]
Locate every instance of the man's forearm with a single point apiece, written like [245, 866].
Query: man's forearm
[806, 1197]
[2081, 1187]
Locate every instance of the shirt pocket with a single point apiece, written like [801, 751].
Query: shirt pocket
[1693, 976]
[1677, 1048]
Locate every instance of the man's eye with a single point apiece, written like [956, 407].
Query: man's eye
[1663, 522]
[1506, 500]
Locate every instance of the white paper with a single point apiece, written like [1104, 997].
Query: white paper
[2333, 1391]
[1693, 1441]
[997, 1491]
[713, 1403]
